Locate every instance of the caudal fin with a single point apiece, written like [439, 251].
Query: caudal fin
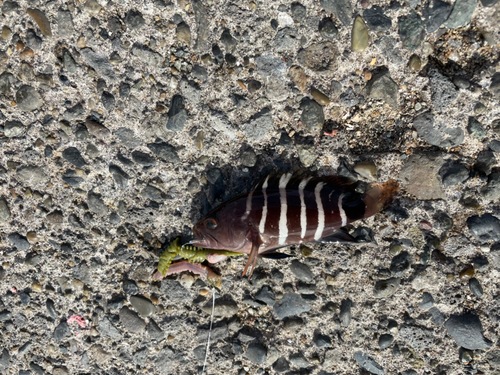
[379, 196]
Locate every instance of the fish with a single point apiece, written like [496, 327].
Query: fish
[283, 211]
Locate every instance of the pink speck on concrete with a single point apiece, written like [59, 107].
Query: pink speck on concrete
[78, 319]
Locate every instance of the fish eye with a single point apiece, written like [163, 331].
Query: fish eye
[211, 223]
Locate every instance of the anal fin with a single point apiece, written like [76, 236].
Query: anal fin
[338, 237]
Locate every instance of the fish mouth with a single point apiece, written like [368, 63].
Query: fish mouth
[204, 240]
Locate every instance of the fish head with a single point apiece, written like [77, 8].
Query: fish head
[223, 229]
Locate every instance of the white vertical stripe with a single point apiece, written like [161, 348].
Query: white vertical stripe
[321, 212]
[343, 216]
[249, 206]
[303, 216]
[262, 224]
[283, 228]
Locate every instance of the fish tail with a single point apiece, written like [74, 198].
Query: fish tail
[379, 196]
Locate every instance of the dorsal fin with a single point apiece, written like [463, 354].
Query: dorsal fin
[333, 181]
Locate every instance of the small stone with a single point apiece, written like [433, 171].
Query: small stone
[177, 114]
[475, 128]
[359, 37]
[143, 159]
[183, 33]
[228, 41]
[108, 101]
[286, 40]
[41, 20]
[411, 30]
[382, 87]
[73, 155]
[61, 331]
[427, 301]
[318, 56]
[9, 7]
[368, 363]
[13, 129]
[253, 86]
[437, 134]
[493, 358]
[491, 191]
[345, 314]
[142, 305]
[28, 99]
[454, 174]
[291, 304]
[376, 20]
[386, 288]
[121, 178]
[298, 360]
[367, 170]
[298, 77]
[342, 9]
[312, 116]
[420, 176]
[134, 19]
[461, 14]
[435, 15]
[259, 126]
[327, 29]
[461, 82]
[32, 175]
[266, 295]
[475, 287]
[281, 365]
[415, 63]
[131, 321]
[18, 241]
[322, 341]
[484, 228]
[319, 96]
[485, 162]
[65, 23]
[127, 137]
[480, 108]
[107, 329]
[98, 62]
[256, 353]
[248, 158]
[385, 341]
[494, 146]
[443, 91]
[467, 331]
[466, 273]
[301, 271]
[299, 12]
[74, 113]
[4, 210]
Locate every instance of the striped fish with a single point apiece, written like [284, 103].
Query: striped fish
[283, 211]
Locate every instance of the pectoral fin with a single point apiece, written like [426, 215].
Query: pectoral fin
[338, 237]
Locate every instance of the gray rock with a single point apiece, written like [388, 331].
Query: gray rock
[154, 331]
[493, 358]
[345, 314]
[143, 159]
[13, 129]
[61, 331]
[454, 174]
[69, 62]
[485, 162]
[131, 321]
[368, 363]
[121, 178]
[219, 332]
[475, 287]
[96, 203]
[99, 63]
[228, 41]
[28, 99]
[127, 137]
[177, 114]
[342, 9]
[203, 25]
[298, 360]
[488, 3]
[32, 40]
[349, 98]
[427, 301]
[266, 295]
[256, 353]
[130, 287]
[4, 210]
[291, 304]
[140, 356]
[376, 20]
[461, 82]
[494, 87]
[443, 91]
[199, 73]
[134, 19]
[484, 228]
[411, 30]
[419, 338]
[150, 192]
[32, 175]
[147, 56]
[400, 264]
[5, 357]
[65, 23]
[491, 191]
[321, 341]
[437, 134]
[386, 288]
[467, 331]
[183, 33]
[142, 305]
[248, 158]
[71, 178]
[164, 361]
[174, 290]
[259, 126]
[382, 87]
[107, 329]
[461, 14]
[281, 365]
[18, 241]
[9, 7]
[224, 306]
[494, 146]
[327, 29]
[420, 176]
[435, 15]
[318, 56]
[312, 116]
[73, 155]
[301, 271]
[475, 128]
[6, 81]
[299, 12]
[286, 40]
[108, 101]
[385, 341]
[74, 113]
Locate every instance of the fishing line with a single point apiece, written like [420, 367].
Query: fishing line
[209, 331]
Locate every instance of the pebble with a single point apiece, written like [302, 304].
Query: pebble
[386, 288]
[9, 7]
[74, 113]
[13, 129]
[248, 158]
[420, 176]
[385, 341]
[367, 170]
[291, 304]
[427, 301]
[286, 40]
[131, 321]
[297, 75]
[108, 329]
[382, 87]
[65, 23]
[266, 295]
[319, 96]
[281, 365]
[327, 29]
[475, 128]
[475, 287]
[203, 26]
[494, 146]
[322, 341]
[61, 331]
[142, 305]
[299, 12]
[342, 9]
[96, 203]
[73, 155]
[121, 178]
[256, 353]
[461, 14]
[301, 271]
[298, 360]
[435, 13]
[134, 19]
[491, 191]
[143, 159]
[108, 101]
[443, 91]
[312, 116]
[259, 126]
[345, 314]
[485, 162]
[253, 86]
[411, 30]
[415, 63]
[318, 56]
[28, 99]
[467, 331]
[376, 20]
[400, 263]
[359, 37]
[19, 241]
[493, 358]
[418, 337]
[99, 63]
[177, 115]
[368, 363]
[41, 20]
[224, 306]
[454, 174]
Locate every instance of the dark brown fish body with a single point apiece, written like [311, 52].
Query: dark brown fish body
[284, 212]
